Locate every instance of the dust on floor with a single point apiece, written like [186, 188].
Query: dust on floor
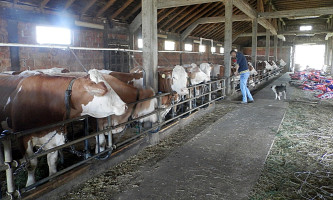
[123, 175]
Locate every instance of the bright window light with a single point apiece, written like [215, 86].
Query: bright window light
[169, 45]
[213, 49]
[140, 43]
[188, 47]
[53, 35]
[202, 48]
[221, 49]
[305, 28]
[310, 55]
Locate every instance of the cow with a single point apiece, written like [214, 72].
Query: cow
[196, 75]
[129, 94]
[39, 99]
[170, 79]
[206, 68]
[217, 71]
[134, 79]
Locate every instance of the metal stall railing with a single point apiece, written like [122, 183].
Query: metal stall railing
[261, 77]
[211, 91]
[215, 91]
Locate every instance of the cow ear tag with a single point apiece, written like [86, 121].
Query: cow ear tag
[163, 75]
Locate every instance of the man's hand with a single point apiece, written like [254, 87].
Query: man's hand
[236, 73]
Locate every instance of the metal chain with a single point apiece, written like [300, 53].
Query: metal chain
[76, 152]
[23, 165]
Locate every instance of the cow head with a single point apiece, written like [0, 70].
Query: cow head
[179, 80]
[197, 75]
[95, 97]
[206, 68]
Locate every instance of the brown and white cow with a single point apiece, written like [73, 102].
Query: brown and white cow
[171, 79]
[129, 94]
[38, 100]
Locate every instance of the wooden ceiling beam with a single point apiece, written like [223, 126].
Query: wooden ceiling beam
[123, 7]
[68, 4]
[249, 10]
[200, 12]
[134, 10]
[166, 14]
[105, 7]
[235, 11]
[189, 22]
[208, 20]
[86, 8]
[178, 3]
[170, 24]
[297, 13]
[173, 17]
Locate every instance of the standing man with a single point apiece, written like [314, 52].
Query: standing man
[243, 70]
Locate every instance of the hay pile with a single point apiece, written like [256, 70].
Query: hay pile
[300, 164]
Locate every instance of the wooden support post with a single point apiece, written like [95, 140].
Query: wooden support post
[228, 42]
[254, 42]
[293, 49]
[150, 47]
[106, 45]
[268, 40]
[275, 47]
[131, 45]
[280, 49]
[181, 48]
[14, 51]
[332, 56]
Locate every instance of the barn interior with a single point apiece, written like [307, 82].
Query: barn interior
[117, 24]
[121, 35]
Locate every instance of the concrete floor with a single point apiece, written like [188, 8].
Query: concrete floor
[222, 162]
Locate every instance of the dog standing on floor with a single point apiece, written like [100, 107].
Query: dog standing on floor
[278, 90]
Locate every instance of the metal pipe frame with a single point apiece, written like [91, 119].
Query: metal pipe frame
[111, 147]
[64, 47]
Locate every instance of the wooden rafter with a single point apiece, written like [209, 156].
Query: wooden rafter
[211, 32]
[123, 7]
[260, 6]
[68, 4]
[189, 22]
[173, 17]
[134, 10]
[166, 14]
[105, 7]
[86, 8]
[217, 13]
[196, 15]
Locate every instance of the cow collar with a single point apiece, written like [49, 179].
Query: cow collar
[68, 95]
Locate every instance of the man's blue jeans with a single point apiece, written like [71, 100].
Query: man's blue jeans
[243, 86]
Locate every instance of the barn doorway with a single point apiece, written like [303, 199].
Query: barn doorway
[308, 55]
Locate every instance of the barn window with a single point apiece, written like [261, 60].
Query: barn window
[305, 28]
[169, 45]
[53, 35]
[213, 49]
[188, 47]
[202, 48]
[140, 43]
[221, 50]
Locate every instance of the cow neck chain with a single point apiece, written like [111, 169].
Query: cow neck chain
[68, 95]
